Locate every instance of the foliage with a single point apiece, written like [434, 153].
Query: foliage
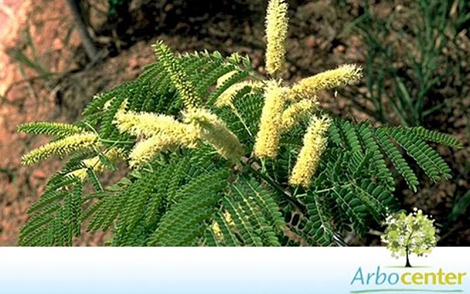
[460, 206]
[222, 157]
[118, 8]
[403, 74]
[407, 234]
[27, 57]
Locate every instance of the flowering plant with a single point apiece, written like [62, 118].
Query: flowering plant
[219, 156]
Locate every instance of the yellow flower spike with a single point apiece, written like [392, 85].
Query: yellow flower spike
[225, 77]
[214, 131]
[217, 232]
[67, 145]
[148, 125]
[296, 112]
[96, 164]
[228, 218]
[226, 98]
[348, 74]
[276, 34]
[267, 140]
[107, 104]
[314, 144]
[79, 173]
[145, 151]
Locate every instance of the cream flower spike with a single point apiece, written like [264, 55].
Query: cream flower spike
[269, 133]
[145, 151]
[214, 131]
[276, 34]
[296, 112]
[348, 74]
[217, 231]
[225, 77]
[147, 125]
[96, 164]
[62, 147]
[227, 97]
[314, 141]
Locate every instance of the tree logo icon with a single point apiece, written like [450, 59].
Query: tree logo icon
[409, 234]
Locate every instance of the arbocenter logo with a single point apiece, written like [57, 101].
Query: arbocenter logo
[404, 236]
[422, 280]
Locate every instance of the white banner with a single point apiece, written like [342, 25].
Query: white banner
[230, 270]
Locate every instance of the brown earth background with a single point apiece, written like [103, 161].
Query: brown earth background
[320, 38]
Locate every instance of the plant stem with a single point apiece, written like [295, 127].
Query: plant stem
[116, 142]
[329, 189]
[276, 186]
[90, 48]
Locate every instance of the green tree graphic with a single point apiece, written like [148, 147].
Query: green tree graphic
[407, 234]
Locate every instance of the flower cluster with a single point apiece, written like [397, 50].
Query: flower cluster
[307, 88]
[276, 33]
[77, 142]
[96, 164]
[309, 156]
[164, 133]
[160, 133]
[147, 125]
[227, 97]
[269, 133]
[213, 130]
[296, 112]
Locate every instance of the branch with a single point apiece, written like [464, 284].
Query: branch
[276, 186]
[90, 48]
